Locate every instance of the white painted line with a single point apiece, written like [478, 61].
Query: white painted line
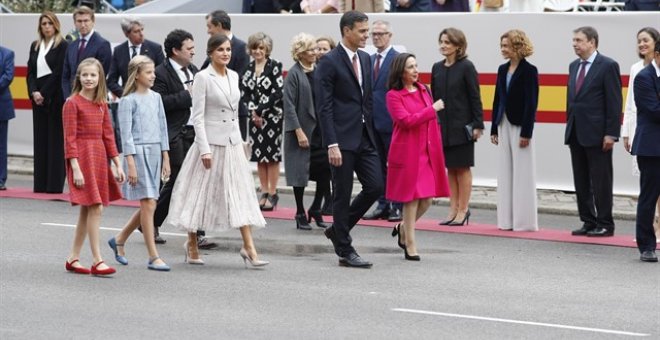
[531, 323]
[107, 228]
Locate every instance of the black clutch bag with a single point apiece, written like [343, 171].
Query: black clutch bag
[469, 132]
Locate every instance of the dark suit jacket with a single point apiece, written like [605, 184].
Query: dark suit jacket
[97, 47]
[647, 99]
[520, 100]
[121, 58]
[176, 99]
[6, 77]
[52, 86]
[340, 102]
[382, 119]
[270, 6]
[415, 6]
[594, 112]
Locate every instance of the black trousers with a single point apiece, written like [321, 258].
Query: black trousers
[178, 150]
[649, 191]
[366, 165]
[383, 141]
[593, 179]
[48, 135]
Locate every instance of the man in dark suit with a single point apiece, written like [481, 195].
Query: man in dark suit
[135, 45]
[174, 83]
[646, 146]
[593, 112]
[6, 108]
[381, 33]
[90, 44]
[344, 103]
[219, 22]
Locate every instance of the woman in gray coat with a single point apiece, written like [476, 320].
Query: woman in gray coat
[300, 130]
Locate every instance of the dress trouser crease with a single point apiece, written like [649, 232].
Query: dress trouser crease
[649, 184]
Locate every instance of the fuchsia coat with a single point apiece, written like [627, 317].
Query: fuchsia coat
[415, 132]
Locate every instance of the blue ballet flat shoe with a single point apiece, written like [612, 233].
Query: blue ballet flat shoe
[113, 245]
[159, 267]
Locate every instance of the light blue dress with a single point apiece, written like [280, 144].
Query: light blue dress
[144, 135]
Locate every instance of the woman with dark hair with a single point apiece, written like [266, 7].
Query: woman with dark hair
[302, 139]
[262, 93]
[455, 80]
[415, 171]
[214, 189]
[44, 81]
[514, 113]
[647, 38]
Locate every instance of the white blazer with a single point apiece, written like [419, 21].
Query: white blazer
[215, 102]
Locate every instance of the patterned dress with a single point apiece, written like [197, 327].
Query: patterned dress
[263, 94]
[89, 137]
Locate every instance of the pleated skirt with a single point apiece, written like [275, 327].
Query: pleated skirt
[148, 162]
[216, 199]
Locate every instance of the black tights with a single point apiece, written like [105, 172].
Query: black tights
[322, 189]
[298, 193]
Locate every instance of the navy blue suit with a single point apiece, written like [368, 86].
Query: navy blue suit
[122, 56]
[646, 146]
[6, 106]
[345, 112]
[97, 47]
[593, 113]
[382, 119]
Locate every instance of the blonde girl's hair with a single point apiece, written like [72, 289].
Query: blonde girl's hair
[56, 24]
[100, 97]
[135, 66]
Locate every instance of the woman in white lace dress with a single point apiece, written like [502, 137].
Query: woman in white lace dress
[215, 189]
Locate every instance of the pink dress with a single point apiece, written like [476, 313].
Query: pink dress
[415, 164]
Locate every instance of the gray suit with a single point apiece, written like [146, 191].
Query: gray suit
[298, 113]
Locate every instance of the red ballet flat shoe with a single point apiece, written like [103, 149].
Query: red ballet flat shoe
[100, 272]
[78, 270]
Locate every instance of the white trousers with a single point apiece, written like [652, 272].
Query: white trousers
[516, 181]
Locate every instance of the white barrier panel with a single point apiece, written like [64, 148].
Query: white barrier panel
[551, 34]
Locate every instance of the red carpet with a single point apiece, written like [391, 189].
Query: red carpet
[283, 213]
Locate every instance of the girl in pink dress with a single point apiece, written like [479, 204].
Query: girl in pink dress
[415, 164]
[88, 144]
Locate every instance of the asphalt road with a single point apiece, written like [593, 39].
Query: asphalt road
[465, 287]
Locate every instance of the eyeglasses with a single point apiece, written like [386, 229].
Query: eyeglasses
[379, 34]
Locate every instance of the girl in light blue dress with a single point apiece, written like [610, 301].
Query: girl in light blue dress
[145, 144]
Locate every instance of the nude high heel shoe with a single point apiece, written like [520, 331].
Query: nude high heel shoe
[190, 260]
[253, 263]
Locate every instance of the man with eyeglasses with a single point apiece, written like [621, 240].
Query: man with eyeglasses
[381, 34]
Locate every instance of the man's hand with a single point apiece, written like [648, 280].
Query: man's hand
[334, 156]
[608, 143]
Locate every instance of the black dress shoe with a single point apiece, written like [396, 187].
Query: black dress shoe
[600, 232]
[204, 243]
[159, 240]
[581, 232]
[395, 215]
[648, 256]
[377, 214]
[354, 260]
[3, 187]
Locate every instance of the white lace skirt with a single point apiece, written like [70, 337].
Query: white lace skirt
[215, 199]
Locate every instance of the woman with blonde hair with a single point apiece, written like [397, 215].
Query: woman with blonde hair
[514, 114]
[305, 157]
[44, 81]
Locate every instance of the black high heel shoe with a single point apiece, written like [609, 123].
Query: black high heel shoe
[317, 217]
[410, 257]
[264, 197]
[301, 222]
[272, 199]
[447, 222]
[395, 232]
[465, 221]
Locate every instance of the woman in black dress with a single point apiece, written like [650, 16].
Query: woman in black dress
[262, 93]
[44, 81]
[455, 81]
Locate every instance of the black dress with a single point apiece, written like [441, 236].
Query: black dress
[263, 94]
[319, 166]
[458, 86]
[47, 127]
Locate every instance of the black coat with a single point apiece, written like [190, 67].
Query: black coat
[51, 89]
[458, 86]
[176, 99]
